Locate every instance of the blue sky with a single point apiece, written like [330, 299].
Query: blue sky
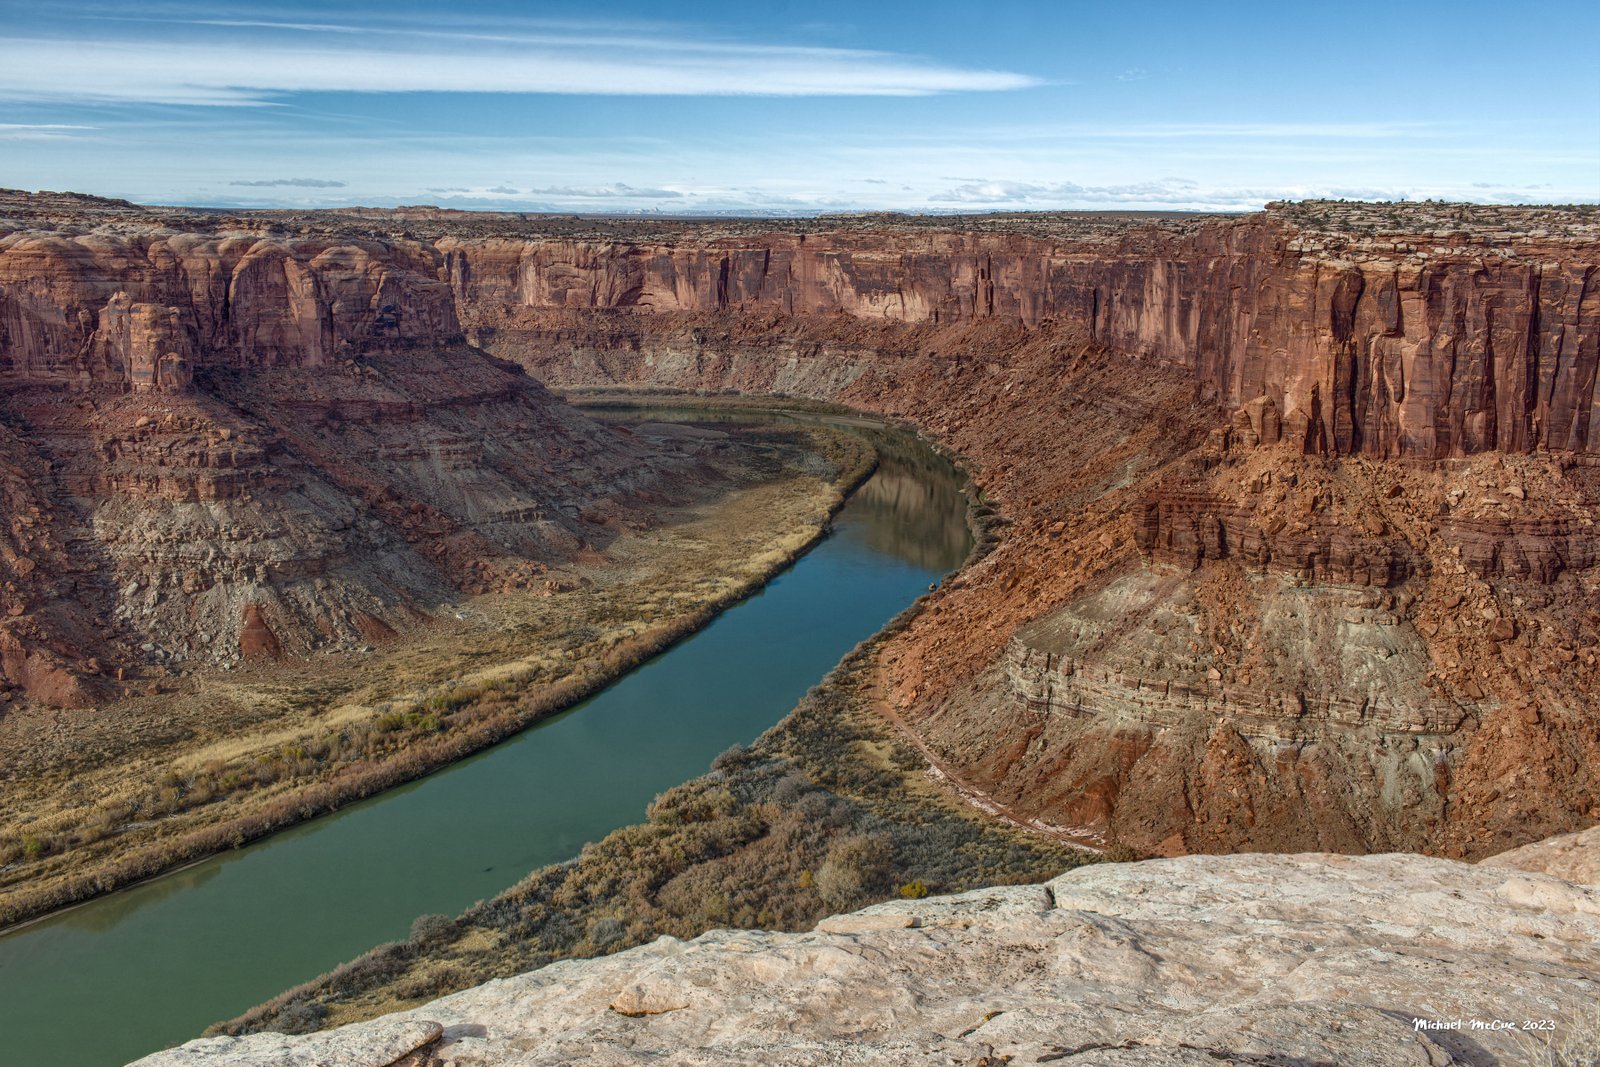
[799, 107]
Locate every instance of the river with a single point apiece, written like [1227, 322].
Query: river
[153, 965]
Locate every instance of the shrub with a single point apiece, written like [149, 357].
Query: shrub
[789, 790]
[300, 1017]
[607, 931]
[854, 867]
[431, 982]
[1120, 853]
[386, 963]
[426, 928]
[731, 758]
[559, 934]
[913, 891]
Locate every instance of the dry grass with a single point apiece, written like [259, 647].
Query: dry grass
[1575, 1042]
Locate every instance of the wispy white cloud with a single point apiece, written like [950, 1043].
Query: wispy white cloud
[1163, 193]
[1001, 193]
[615, 196]
[209, 63]
[537, 32]
[1085, 132]
[40, 131]
[292, 183]
[617, 191]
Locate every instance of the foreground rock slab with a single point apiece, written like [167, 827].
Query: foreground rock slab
[1575, 857]
[1306, 959]
[377, 1044]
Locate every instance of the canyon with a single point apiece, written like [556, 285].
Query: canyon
[1294, 510]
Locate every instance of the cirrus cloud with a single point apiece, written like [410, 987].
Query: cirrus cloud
[615, 191]
[221, 62]
[294, 183]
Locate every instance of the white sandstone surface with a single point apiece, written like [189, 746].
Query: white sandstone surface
[1575, 857]
[1253, 959]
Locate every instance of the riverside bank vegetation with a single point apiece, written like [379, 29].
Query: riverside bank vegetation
[293, 743]
[826, 812]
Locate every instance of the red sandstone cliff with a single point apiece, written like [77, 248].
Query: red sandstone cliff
[1422, 344]
[96, 308]
[222, 446]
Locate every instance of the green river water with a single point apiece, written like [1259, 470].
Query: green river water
[151, 966]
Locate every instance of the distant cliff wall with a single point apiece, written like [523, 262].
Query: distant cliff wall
[1403, 349]
[93, 308]
[1418, 346]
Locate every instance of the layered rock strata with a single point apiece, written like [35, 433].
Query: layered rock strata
[268, 513]
[1431, 342]
[1388, 330]
[1240, 959]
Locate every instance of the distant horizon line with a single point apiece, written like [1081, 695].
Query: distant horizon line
[773, 213]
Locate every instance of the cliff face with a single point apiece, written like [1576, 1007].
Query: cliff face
[1247, 647]
[1240, 959]
[134, 308]
[258, 514]
[1427, 345]
[218, 448]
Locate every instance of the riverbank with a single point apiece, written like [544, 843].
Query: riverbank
[98, 802]
[827, 811]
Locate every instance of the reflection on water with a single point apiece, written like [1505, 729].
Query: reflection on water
[912, 508]
[109, 911]
[153, 965]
